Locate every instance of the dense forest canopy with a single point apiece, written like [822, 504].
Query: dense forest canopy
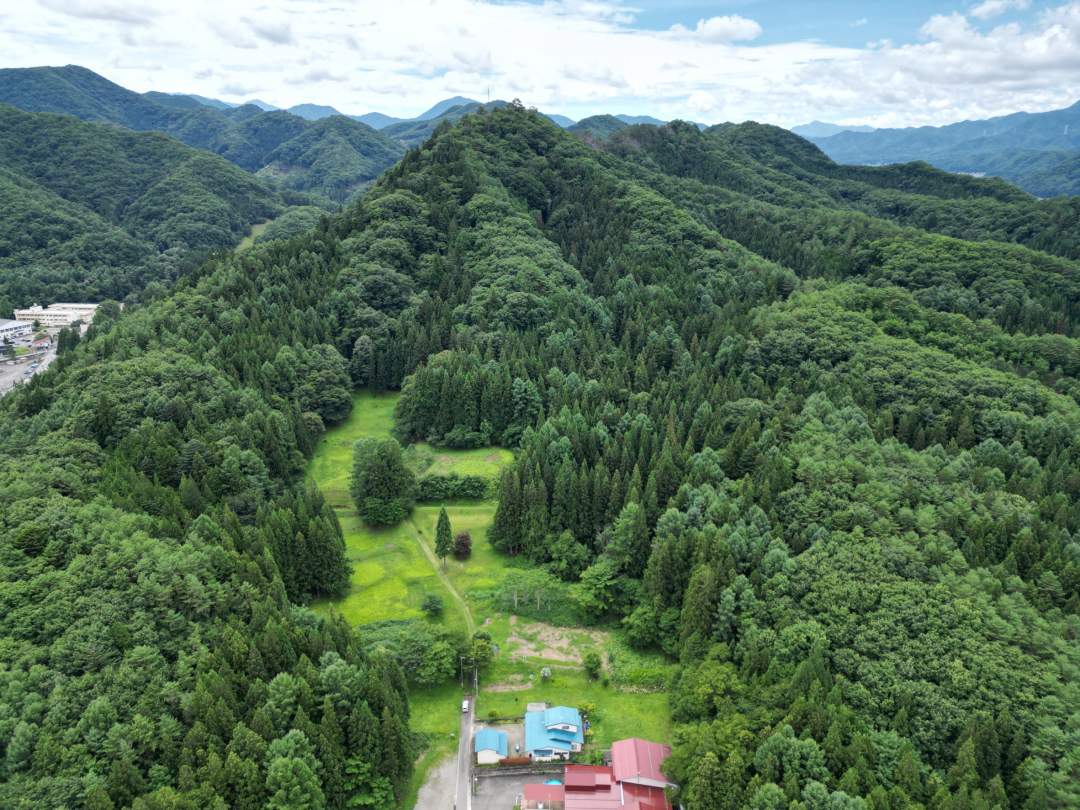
[811, 431]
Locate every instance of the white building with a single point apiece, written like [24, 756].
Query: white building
[13, 329]
[56, 316]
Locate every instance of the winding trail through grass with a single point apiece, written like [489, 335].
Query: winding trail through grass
[470, 623]
[418, 533]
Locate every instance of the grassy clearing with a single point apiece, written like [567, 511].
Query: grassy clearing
[486, 567]
[484, 461]
[331, 466]
[391, 575]
[249, 240]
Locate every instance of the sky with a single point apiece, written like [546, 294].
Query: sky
[881, 63]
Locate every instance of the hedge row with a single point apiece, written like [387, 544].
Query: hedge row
[454, 486]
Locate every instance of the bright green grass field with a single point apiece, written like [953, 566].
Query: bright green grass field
[390, 574]
[485, 461]
[486, 567]
[372, 416]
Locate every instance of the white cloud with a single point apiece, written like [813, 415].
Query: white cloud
[576, 57]
[995, 8]
[278, 32]
[111, 10]
[730, 28]
[952, 28]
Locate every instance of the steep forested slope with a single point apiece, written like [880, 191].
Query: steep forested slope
[334, 157]
[846, 511]
[92, 211]
[825, 469]
[151, 655]
[329, 157]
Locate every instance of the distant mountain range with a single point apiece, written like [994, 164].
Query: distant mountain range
[297, 149]
[822, 129]
[449, 107]
[1039, 152]
[331, 155]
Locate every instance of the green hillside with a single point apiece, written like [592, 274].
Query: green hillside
[807, 436]
[414, 132]
[334, 157]
[95, 212]
[598, 127]
[331, 157]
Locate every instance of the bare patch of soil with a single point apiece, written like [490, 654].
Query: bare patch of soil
[514, 683]
[539, 640]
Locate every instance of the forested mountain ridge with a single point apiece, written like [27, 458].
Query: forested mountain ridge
[834, 475]
[332, 157]
[92, 211]
[1040, 152]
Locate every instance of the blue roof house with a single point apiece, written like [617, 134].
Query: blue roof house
[490, 746]
[553, 733]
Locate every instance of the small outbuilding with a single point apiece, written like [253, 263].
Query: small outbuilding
[490, 746]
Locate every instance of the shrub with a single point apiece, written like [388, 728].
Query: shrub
[463, 546]
[453, 486]
[432, 605]
[592, 665]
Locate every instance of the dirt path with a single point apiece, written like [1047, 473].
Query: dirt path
[470, 623]
[439, 786]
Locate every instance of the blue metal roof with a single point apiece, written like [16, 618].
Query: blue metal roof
[489, 739]
[562, 715]
[538, 737]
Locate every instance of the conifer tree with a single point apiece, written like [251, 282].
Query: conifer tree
[444, 537]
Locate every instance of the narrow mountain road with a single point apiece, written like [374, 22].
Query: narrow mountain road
[470, 623]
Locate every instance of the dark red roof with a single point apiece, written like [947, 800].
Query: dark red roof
[643, 797]
[587, 777]
[593, 787]
[543, 793]
[637, 759]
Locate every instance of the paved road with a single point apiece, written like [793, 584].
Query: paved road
[10, 376]
[463, 793]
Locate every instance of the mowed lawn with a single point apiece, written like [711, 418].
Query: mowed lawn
[617, 715]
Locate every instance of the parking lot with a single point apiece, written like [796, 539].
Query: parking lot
[12, 375]
[501, 792]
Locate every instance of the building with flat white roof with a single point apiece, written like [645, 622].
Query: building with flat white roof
[13, 329]
[57, 315]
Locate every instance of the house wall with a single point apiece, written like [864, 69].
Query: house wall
[545, 755]
[488, 756]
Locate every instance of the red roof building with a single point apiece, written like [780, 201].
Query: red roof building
[634, 781]
[638, 762]
[548, 797]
